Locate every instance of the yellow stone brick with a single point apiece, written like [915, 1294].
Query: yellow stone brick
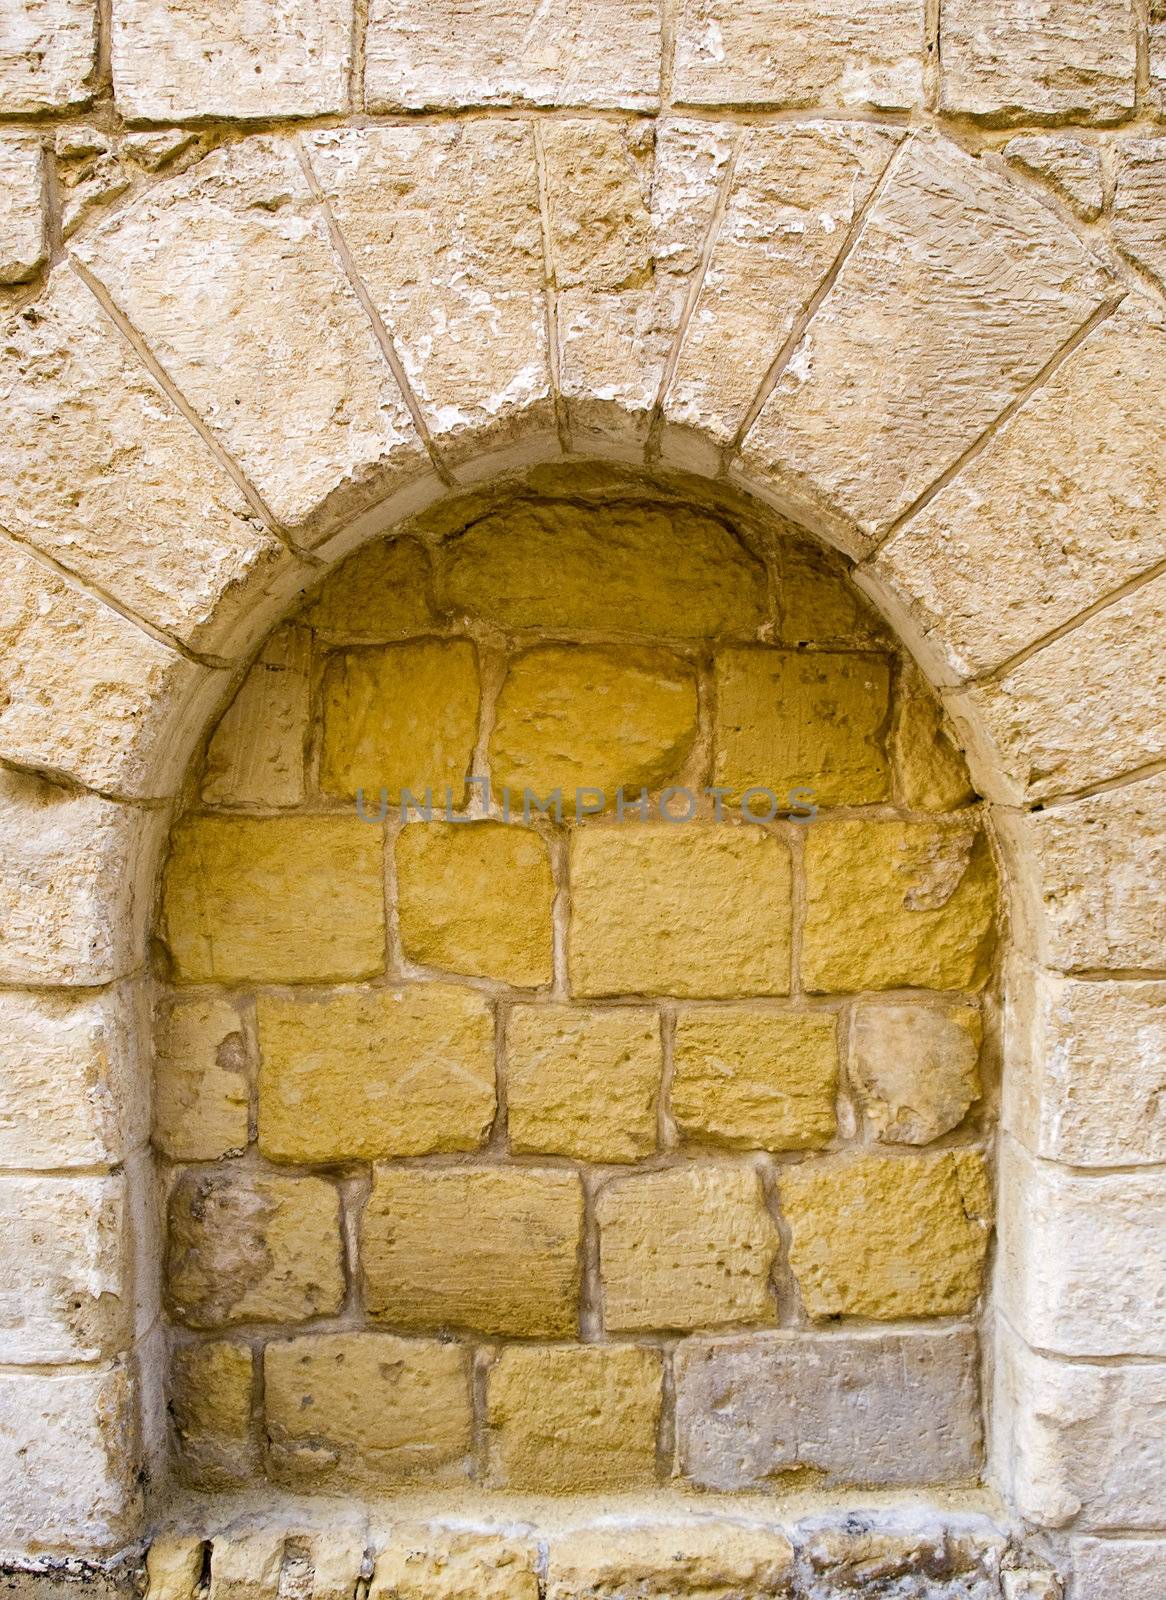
[252, 1248]
[817, 603]
[670, 1559]
[813, 719]
[437, 1564]
[690, 1247]
[201, 1094]
[897, 904]
[279, 900]
[367, 1407]
[257, 753]
[583, 1083]
[931, 773]
[379, 594]
[174, 1565]
[573, 1417]
[755, 1080]
[401, 717]
[571, 718]
[375, 1072]
[885, 1237]
[211, 1388]
[695, 911]
[657, 570]
[476, 898]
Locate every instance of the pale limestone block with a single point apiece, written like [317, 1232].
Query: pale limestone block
[68, 1461]
[229, 275]
[436, 1563]
[1080, 1440]
[503, 52]
[71, 1093]
[174, 1566]
[915, 1068]
[1004, 554]
[1086, 708]
[246, 1563]
[22, 228]
[1106, 1568]
[670, 1560]
[336, 1553]
[959, 290]
[1086, 1079]
[1080, 1267]
[1158, 54]
[454, 266]
[871, 1408]
[101, 472]
[1070, 167]
[797, 53]
[257, 753]
[1139, 203]
[48, 54]
[795, 194]
[90, 172]
[1016, 59]
[201, 1090]
[74, 884]
[278, 58]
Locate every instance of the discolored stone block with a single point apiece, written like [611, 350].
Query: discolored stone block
[201, 1081]
[915, 1068]
[211, 1388]
[379, 594]
[257, 753]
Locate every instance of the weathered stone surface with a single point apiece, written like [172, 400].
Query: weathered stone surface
[573, 1417]
[492, 52]
[670, 1561]
[1158, 57]
[930, 772]
[1055, 60]
[1004, 555]
[1080, 1269]
[433, 1564]
[582, 1083]
[755, 1080]
[89, 172]
[1137, 203]
[172, 65]
[174, 1564]
[788, 719]
[211, 1387]
[1131, 1568]
[454, 266]
[691, 1247]
[977, 285]
[375, 1072]
[803, 54]
[871, 1408]
[70, 1092]
[63, 1294]
[379, 594]
[592, 718]
[658, 908]
[366, 1406]
[247, 1561]
[476, 899]
[885, 1237]
[280, 900]
[1086, 1083]
[22, 229]
[493, 1250]
[917, 1553]
[201, 1080]
[401, 717]
[48, 54]
[915, 1068]
[895, 904]
[794, 195]
[103, 474]
[229, 275]
[1069, 166]
[257, 753]
[817, 601]
[628, 569]
[253, 1248]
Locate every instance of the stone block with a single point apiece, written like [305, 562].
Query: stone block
[690, 910]
[930, 771]
[476, 899]
[1011, 62]
[256, 755]
[380, 594]
[252, 1248]
[573, 1418]
[869, 1408]
[443, 1564]
[22, 230]
[1131, 1568]
[211, 1390]
[247, 1561]
[690, 1247]
[753, 1079]
[915, 1068]
[201, 1079]
[174, 1565]
[1137, 203]
[887, 1237]
[670, 1560]
[489, 1249]
[48, 55]
[919, 1553]
[583, 1083]
[818, 603]
[1070, 167]
[283, 900]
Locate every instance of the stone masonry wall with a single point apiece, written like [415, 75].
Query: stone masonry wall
[582, 1151]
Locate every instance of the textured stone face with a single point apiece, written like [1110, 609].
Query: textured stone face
[882, 1408]
[211, 1388]
[47, 54]
[1071, 166]
[428, 1564]
[875, 1236]
[573, 1417]
[755, 1079]
[257, 754]
[582, 1083]
[377, 1072]
[22, 234]
[1137, 203]
[381, 593]
[930, 772]
[670, 1562]
[688, 1248]
[201, 1081]
[915, 1068]
[491, 1250]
